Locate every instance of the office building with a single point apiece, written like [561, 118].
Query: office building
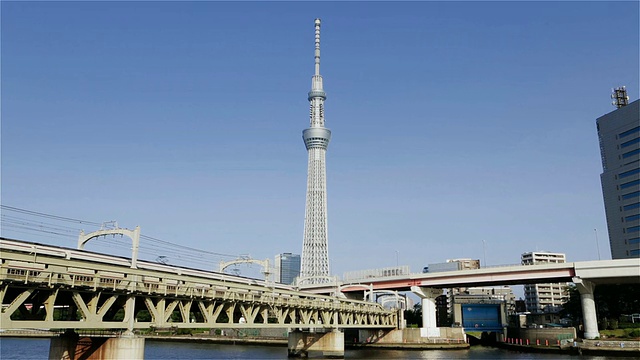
[287, 268]
[619, 137]
[544, 298]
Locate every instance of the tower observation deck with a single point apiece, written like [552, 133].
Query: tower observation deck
[314, 267]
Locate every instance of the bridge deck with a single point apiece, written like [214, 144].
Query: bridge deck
[50, 287]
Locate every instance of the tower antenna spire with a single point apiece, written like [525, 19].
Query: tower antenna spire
[314, 264]
[317, 52]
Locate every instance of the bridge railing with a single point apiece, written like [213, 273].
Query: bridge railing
[88, 276]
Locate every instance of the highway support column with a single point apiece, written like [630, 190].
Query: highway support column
[71, 346]
[589, 315]
[428, 299]
[316, 344]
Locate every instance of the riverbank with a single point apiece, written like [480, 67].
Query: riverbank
[627, 348]
[250, 340]
[618, 348]
[284, 342]
[410, 346]
[219, 339]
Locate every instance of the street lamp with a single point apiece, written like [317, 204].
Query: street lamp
[396, 258]
[597, 244]
[484, 251]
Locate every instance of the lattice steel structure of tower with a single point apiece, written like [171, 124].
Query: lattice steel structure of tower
[314, 267]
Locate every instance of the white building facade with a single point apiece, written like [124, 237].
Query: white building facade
[544, 298]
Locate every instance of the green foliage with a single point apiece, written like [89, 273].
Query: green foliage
[143, 316]
[181, 331]
[572, 307]
[632, 332]
[176, 316]
[611, 302]
[119, 316]
[628, 325]
[621, 333]
[613, 333]
[414, 316]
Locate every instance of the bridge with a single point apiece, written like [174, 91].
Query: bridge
[45, 286]
[585, 274]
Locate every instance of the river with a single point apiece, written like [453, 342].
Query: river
[38, 348]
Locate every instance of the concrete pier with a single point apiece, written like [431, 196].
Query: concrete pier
[71, 346]
[589, 316]
[428, 300]
[316, 344]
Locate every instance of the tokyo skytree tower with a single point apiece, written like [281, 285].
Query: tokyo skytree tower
[315, 250]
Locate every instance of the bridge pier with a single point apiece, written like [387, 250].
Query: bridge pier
[71, 346]
[428, 299]
[589, 315]
[316, 344]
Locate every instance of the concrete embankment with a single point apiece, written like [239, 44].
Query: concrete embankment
[219, 339]
[283, 342]
[411, 346]
[29, 334]
[405, 339]
[626, 348]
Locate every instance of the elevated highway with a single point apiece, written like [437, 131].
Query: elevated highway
[586, 275]
[597, 272]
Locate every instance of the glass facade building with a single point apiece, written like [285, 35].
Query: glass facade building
[619, 136]
[287, 268]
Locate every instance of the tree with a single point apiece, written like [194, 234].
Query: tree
[414, 316]
[612, 300]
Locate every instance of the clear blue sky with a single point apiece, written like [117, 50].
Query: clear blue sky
[453, 123]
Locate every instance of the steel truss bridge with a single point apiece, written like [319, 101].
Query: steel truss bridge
[52, 287]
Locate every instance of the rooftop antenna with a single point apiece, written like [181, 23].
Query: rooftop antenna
[620, 97]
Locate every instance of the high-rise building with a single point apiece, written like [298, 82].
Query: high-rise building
[315, 248]
[544, 298]
[619, 136]
[287, 268]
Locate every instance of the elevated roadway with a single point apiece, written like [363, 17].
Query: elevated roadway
[597, 272]
[586, 275]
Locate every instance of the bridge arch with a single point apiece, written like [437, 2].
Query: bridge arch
[134, 235]
[387, 296]
[266, 270]
[319, 279]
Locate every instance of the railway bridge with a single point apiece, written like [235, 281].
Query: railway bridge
[60, 288]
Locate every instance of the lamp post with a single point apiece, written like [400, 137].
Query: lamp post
[484, 251]
[396, 258]
[597, 244]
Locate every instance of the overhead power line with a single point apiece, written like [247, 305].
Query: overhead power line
[35, 213]
[25, 221]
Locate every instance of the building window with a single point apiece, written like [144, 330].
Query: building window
[629, 132]
[632, 195]
[633, 229]
[631, 153]
[632, 217]
[634, 252]
[634, 241]
[629, 173]
[631, 206]
[630, 142]
[629, 184]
